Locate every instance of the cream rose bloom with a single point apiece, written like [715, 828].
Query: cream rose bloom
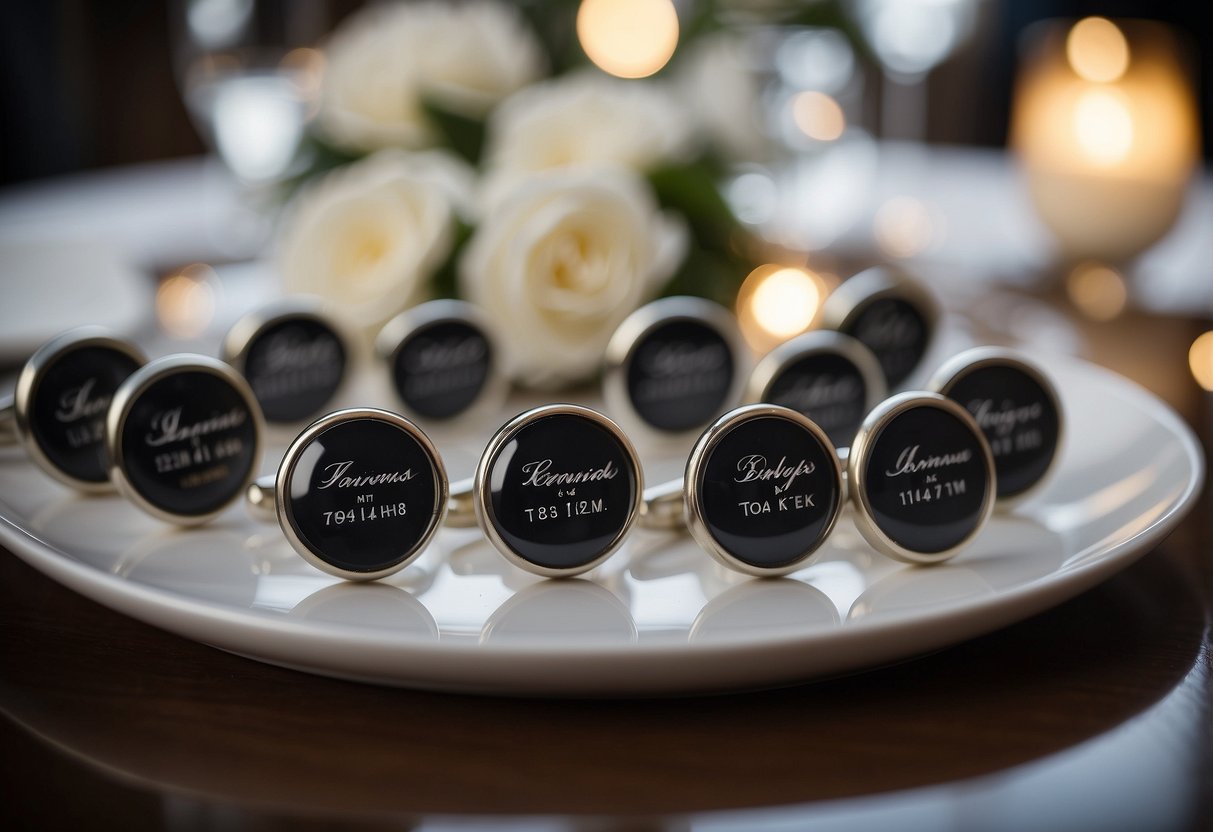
[561, 261]
[383, 61]
[367, 237]
[584, 118]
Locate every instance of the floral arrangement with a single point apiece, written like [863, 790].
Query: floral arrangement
[466, 150]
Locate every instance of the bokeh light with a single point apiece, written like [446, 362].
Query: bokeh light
[778, 302]
[818, 116]
[1097, 291]
[186, 301]
[904, 226]
[628, 38]
[1097, 50]
[1200, 359]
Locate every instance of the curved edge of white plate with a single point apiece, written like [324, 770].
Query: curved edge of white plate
[601, 670]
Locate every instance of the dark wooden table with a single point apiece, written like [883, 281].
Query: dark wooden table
[1095, 715]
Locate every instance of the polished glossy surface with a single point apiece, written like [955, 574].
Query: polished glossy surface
[1018, 416]
[924, 476]
[362, 494]
[680, 374]
[561, 490]
[681, 623]
[767, 491]
[295, 365]
[826, 386]
[895, 330]
[68, 404]
[185, 438]
[441, 369]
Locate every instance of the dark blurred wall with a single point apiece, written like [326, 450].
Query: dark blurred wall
[87, 84]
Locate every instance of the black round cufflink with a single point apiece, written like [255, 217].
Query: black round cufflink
[556, 490]
[359, 493]
[763, 490]
[674, 365]
[1016, 407]
[294, 357]
[829, 377]
[921, 478]
[59, 407]
[889, 313]
[443, 361]
[183, 438]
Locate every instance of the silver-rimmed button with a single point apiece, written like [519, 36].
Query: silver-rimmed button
[443, 361]
[829, 377]
[674, 365]
[359, 493]
[556, 490]
[890, 313]
[1016, 407]
[921, 478]
[62, 396]
[183, 436]
[763, 489]
[293, 356]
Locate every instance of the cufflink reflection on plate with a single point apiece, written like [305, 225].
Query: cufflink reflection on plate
[58, 409]
[674, 365]
[1016, 407]
[359, 493]
[890, 313]
[443, 361]
[183, 438]
[556, 490]
[294, 358]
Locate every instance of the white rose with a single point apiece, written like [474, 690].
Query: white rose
[383, 61]
[561, 261]
[584, 118]
[367, 237]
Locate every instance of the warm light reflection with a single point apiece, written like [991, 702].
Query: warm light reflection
[778, 302]
[1097, 291]
[1200, 359]
[305, 67]
[903, 227]
[628, 38]
[185, 301]
[1103, 126]
[1097, 50]
[818, 115]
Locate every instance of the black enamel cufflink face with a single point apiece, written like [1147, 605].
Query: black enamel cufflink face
[763, 490]
[891, 314]
[557, 489]
[183, 436]
[1016, 407]
[62, 396]
[360, 493]
[293, 357]
[829, 377]
[443, 361]
[921, 477]
[674, 365]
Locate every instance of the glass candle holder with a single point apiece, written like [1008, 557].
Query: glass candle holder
[1105, 125]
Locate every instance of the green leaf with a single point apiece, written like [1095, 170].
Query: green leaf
[445, 280]
[462, 134]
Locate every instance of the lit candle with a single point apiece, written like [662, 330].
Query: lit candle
[1105, 125]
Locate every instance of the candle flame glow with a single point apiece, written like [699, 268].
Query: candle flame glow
[1103, 126]
[1097, 50]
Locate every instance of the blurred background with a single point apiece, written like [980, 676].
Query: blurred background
[92, 84]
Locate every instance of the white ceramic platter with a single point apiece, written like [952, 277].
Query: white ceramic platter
[660, 617]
